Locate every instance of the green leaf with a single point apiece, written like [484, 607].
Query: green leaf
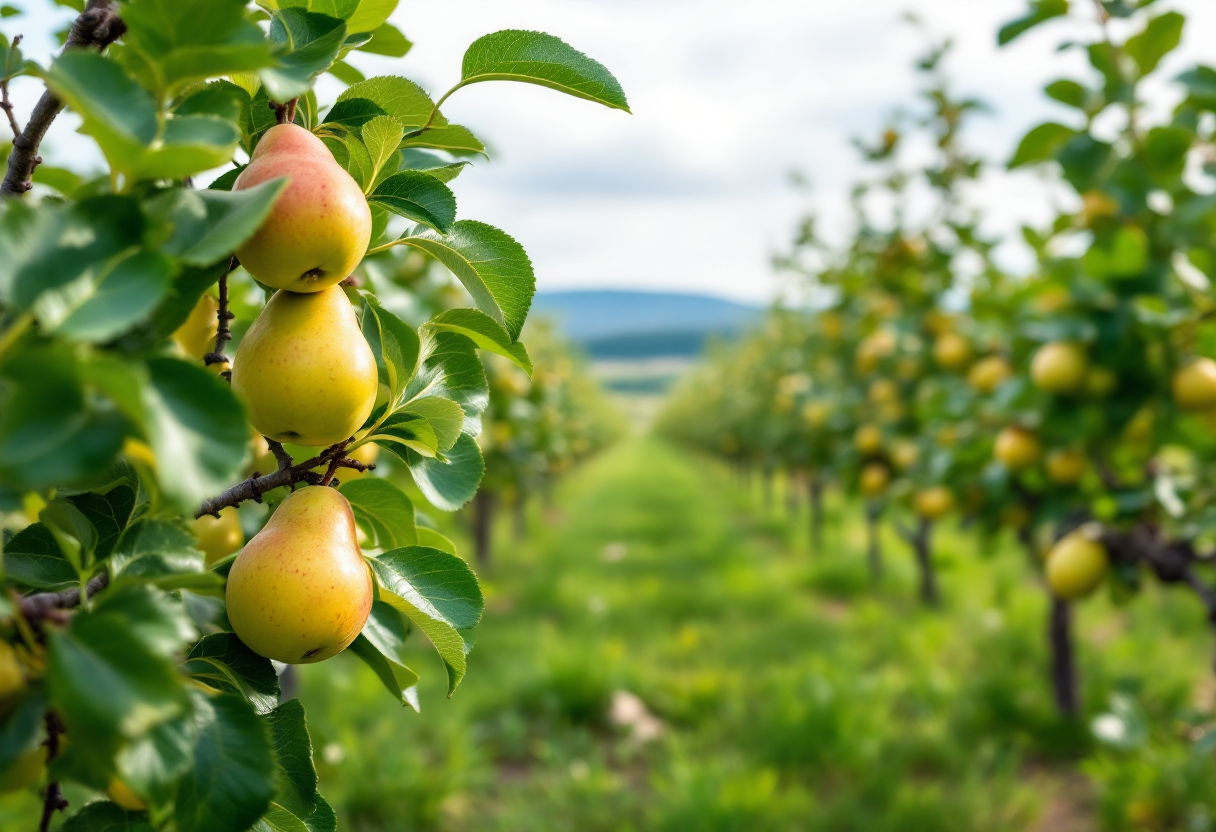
[179, 44]
[1161, 36]
[394, 343]
[208, 225]
[106, 816]
[194, 421]
[346, 73]
[108, 684]
[96, 310]
[1068, 92]
[1165, 150]
[382, 96]
[232, 781]
[451, 369]
[381, 136]
[1040, 11]
[310, 44]
[430, 164]
[493, 267]
[405, 432]
[222, 99]
[419, 197]
[380, 645]
[223, 662]
[295, 775]
[151, 764]
[34, 559]
[1041, 144]
[445, 417]
[439, 593]
[23, 728]
[1200, 85]
[483, 331]
[156, 618]
[538, 58]
[449, 483]
[450, 137]
[108, 513]
[162, 554]
[370, 15]
[388, 41]
[383, 511]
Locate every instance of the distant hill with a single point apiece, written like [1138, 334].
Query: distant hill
[634, 325]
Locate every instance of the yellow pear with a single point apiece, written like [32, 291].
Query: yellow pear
[1060, 367]
[196, 337]
[989, 373]
[868, 440]
[300, 591]
[874, 479]
[121, 794]
[1066, 465]
[219, 537]
[1017, 448]
[935, 502]
[305, 371]
[320, 226]
[1194, 386]
[12, 678]
[951, 351]
[1075, 566]
[24, 771]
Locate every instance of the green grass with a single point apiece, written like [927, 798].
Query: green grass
[793, 696]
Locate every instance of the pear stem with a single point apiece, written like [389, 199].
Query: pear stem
[97, 26]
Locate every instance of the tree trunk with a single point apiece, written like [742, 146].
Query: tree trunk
[1063, 661]
[520, 512]
[791, 494]
[483, 525]
[816, 489]
[922, 545]
[873, 515]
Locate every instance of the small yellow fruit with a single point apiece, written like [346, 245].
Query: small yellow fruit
[989, 373]
[908, 368]
[196, 337]
[1066, 466]
[138, 451]
[883, 391]
[874, 349]
[937, 322]
[1100, 382]
[816, 414]
[951, 351]
[904, 454]
[1059, 367]
[874, 479]
[1194, 385]
[868, 440]
[1075, 566]
[300, 591]
[1017, 448]
[831, 325]
[219, 537]
[1095, 207]
[947, 437]
[121, 794]
[935, 502]
[1140, 427]
[1053, 299]
[25, 771]
[12, 678]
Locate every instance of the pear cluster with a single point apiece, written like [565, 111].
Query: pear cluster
[299, 591]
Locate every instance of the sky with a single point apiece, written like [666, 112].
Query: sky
[692, 192]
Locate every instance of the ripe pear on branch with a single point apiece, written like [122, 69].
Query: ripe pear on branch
[299, 591]
[305, 371]
[318, 229]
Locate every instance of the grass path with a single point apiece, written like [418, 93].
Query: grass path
[787, 694]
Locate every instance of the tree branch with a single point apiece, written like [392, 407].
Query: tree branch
[97, 26]
[54, 801]
[43, 605]
[5, 103]
[223, 332]
[288, 474]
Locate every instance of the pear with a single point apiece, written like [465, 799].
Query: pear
[320, 225]
[219, 537]
[305, 371]
[299, 591]
[196, 336]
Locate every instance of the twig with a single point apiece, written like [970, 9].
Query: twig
[223, 332]
[97, 26]
[54, 800]
[280, 454]
[5, 103]
[254, 487]
[43, 605]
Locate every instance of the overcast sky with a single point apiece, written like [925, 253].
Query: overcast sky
[692, 191]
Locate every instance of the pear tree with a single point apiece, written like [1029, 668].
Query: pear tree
[182, 522]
